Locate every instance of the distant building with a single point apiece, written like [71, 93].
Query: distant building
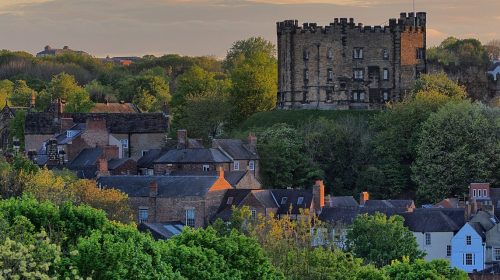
[49, 51]
[122, 60]
[349, 66]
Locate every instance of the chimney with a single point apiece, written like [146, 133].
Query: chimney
[96, 124]
[110, 152]
[60, 106]
[66, 123]
[153, 189]
[182, 140]
[102, 167]
[221, 172]
[364, 197]
[319, 195]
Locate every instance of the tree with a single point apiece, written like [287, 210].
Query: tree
[63, 86]
[6, 88]
[244, 49]
[493, 49]
[421, 270]
[379, 239]
[283, 160]
[458, 145]
[78, 102]
[22, 94]
[16, 127]
[254, 85]
[439, 83]
[99, 92]
[152, 93]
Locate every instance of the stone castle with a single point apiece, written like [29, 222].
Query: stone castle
[349, 66]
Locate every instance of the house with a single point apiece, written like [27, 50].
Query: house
[468, 248]
[133, 133]
[191, 160]
[243, 154]
[160, 199]
[434, 229]
[290, 203]
[48, 51]
[237, 179]
[93, 162]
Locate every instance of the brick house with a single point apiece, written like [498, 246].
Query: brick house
[291, 203]
[160, 199]
[133, 133]
[243, 154]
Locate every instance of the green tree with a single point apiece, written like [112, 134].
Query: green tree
[379, 239]
[421, 270]
[283, 160]
[457, 145]
[63, 86]
[78, 102]
[244, 49]
[439, 83]
[6, 88]
[151, 93]
[16, 127]
[99, 92]
[21, 95]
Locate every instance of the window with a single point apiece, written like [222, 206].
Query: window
[386, 96]
[236, 165]
[230, 200]
[358, 74]
[124, 143]
[306, 55]
[358, 95]
[385, 54]
[190, 217]
[144, 152]
[254, 214]
[386, 74]
[474, 193]
[306, 75]
[496, 254]
[70, 133]
[361, 95]
[143, 214]
[427, 238]
[420, 53]
[300, 200]
[329, 53]
[251, 165]
[468, 240]
[284, 199]
[357, 53]
[484, 193]
[329, 94]
[206, 167]
[355, 95]
[448, 250]
[330, 74]
[468, 259]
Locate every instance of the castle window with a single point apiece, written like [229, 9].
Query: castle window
[357, 53]
[355, 95]
[306, 75]
[358, 95]
[386, 96]
[358, 74]
[385, 54]
[304, 97]
[361, 95]
[330, 74]
[329, 53]
[329, 94]
[386, 74]
[420, 53]
[306, 54]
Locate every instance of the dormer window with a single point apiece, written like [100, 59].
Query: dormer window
[70, 133]
[284, 200]
[230, 200]
[300, 200]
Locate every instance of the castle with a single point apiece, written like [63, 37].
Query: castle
[349, 66]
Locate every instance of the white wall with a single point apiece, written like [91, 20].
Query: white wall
[437, 248]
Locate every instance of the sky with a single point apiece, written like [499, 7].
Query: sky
[210, 27]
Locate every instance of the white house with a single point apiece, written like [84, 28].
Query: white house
[434, 229]
[468, 248]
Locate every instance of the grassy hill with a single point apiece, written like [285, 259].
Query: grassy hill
[263, 120]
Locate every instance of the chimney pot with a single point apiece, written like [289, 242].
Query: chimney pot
[364, 197]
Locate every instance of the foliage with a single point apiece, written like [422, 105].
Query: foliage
[421, 270]
[63, 86]
[6, 89]
[283, 160]
[493, 49]
[455, 52]
[16, 128]
[21, 94]
[379, 239]
[244, 49]
[439, 83]
[458, 145]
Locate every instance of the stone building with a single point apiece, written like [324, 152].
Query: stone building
[349, 66]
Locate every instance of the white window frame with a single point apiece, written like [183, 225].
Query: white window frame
[496, 253]
[236, 165]
[385, 72]
[140, 216]
[359, 74]
[206, 167]
[124, 143]
[468, 259]
[190, 221]
[251, 165]
[254, 214]
[484, 193]
[386, 95]
[428, 240]
[474, 193]
[329, 75]
[358, 53]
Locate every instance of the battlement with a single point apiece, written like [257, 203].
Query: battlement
[406, 22]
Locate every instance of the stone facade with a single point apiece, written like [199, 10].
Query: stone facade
[349, 66]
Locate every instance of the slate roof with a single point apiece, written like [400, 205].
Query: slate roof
[168, 186]
[146, 161]
[85, 163]
[347, 215]
[231, 198]
[495, 200]
[63, 137]
[234, 177]
[390, 203]
[292, 196]
[117, 162]
[343, 201]
[162, 230]
[46, 123]
[114, 108]
[433, 220]
[236, 149]
[193, 156]
[479, 229]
